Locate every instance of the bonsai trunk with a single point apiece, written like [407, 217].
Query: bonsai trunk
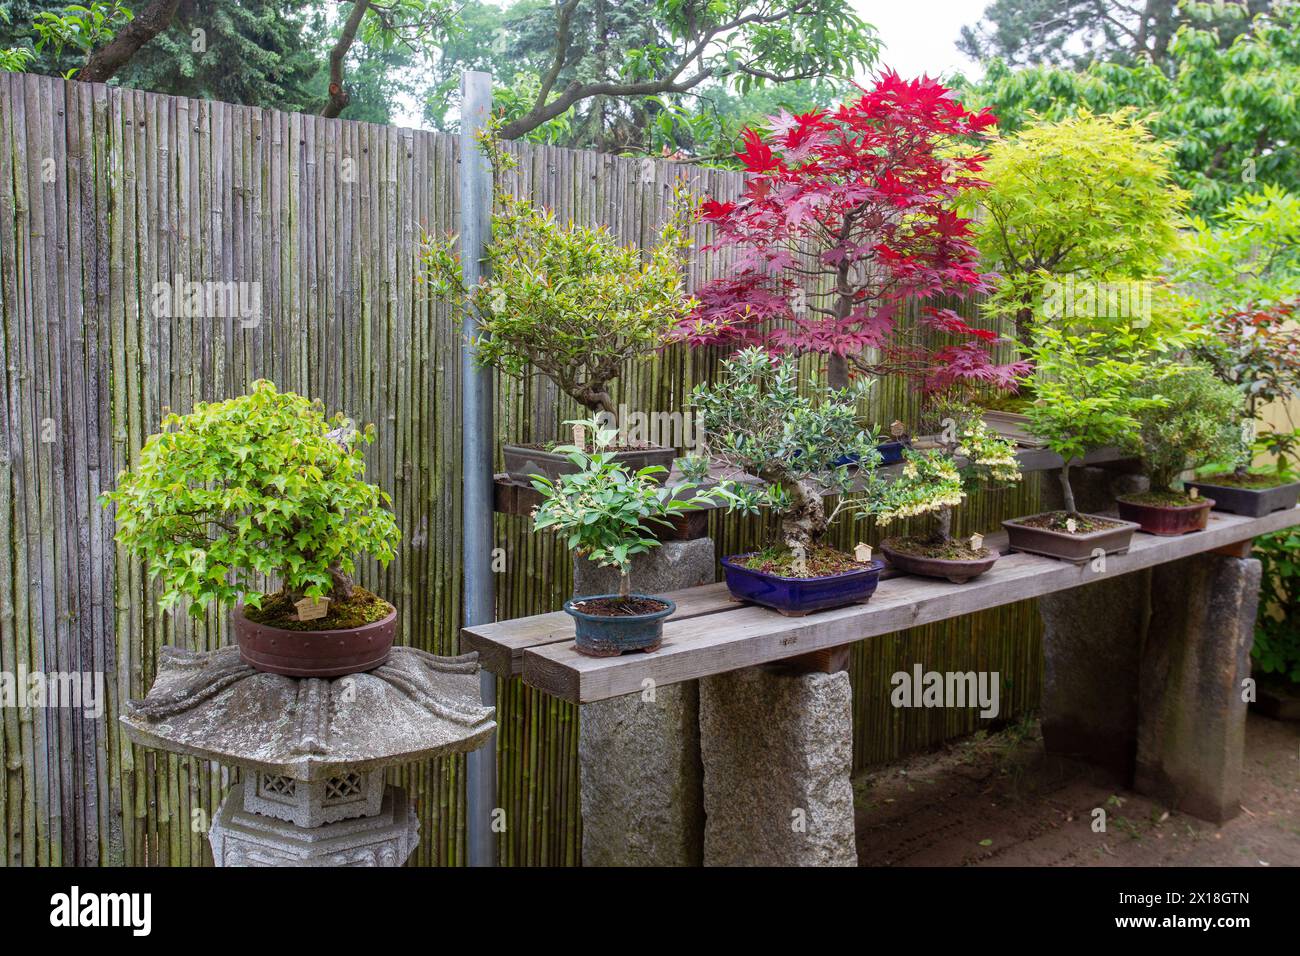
[837, 371]
[943, 526]
[1067, 493]
[804, 522]
[624, 584]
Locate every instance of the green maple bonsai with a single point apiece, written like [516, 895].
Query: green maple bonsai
[263, 484]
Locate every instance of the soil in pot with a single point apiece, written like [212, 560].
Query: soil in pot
[1252, 495]
[1049, 534]
[952, 560]
[606, 625]
[1167, 513]
[825, 579]
[355, 636]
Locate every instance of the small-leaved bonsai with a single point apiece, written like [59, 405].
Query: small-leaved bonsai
[1195, 425]
[258, 487]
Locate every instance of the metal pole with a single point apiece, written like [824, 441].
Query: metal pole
[476, 452]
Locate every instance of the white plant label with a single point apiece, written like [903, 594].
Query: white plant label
[1193, 493]
[310, 609]
[580, 436]
[976, 542]
[1071, 525]
[862, 552]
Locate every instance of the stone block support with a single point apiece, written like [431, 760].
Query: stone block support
[1092, 648]
[1193, 718]
[639, 755]
[777, 749]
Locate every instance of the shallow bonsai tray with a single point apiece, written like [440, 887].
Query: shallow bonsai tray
[1076, 548]
[1251, 502]
[795, 597]
[522, 463]
[955, 570]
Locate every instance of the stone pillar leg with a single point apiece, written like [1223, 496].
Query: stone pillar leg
[1193, 719]
[639, 755]
[778, 751]
[1092, 644]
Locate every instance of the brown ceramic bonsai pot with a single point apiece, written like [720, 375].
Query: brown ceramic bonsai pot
[958, 571]
[1167, 520]
[336, 653]
[522, 462]
[1078, 548]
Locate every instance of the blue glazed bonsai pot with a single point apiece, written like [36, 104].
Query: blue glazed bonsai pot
[602, 635]
[797, 596]
[891, 453]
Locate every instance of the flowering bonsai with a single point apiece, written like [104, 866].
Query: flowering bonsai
[608, 515]
[255, 488]
[937, 483]
[1195, 424]
[847, 216]
[757, 420]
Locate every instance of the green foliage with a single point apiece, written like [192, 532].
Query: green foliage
[78, 27]
[1088, 197]
[1086, 388]
[567, 300]
[263, 484]
[1248, 253]
[756, 419]
[1196, 424]
[1277, 625]
[607, 513]
[1231, 112]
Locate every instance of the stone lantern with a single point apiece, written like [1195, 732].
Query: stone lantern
[313, 751]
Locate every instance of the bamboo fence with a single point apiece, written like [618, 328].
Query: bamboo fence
[105, 192]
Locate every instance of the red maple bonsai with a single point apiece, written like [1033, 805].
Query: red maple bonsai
[845, 217]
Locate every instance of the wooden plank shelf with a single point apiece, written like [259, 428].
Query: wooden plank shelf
[711, 634]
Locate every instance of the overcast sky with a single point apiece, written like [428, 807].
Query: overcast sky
[920, 36]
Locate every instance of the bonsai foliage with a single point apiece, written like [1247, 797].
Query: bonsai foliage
[800, 445]
[263, 484]
[1195, 424]
[567, 300]
[1249, 253]
[1086, 388]
[1256, 350]
[936, 483]
[847, 215]
[1088, 197]
[606, 512]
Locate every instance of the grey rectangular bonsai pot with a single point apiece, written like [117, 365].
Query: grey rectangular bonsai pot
[523, 462]
[1078, 548]
[1250, 502]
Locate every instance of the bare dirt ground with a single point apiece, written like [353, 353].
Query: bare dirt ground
[999, 800]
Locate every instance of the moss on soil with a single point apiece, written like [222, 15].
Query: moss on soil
[1163, 499]
[952, 550]
[1056, 521]
[1251, 481]
[818, 562]
[278, 610]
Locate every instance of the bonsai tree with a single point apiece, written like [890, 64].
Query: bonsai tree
[607, 513]
[800, 445]
[263, 484]
[1257, 351]
[846, 217]
[938, 482]
[1086, 394]
[1091, 198]
[564, 299]
[1195, 424]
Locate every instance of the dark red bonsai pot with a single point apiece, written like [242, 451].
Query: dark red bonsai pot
[956, 570]
[1167, 520]
[336, 653]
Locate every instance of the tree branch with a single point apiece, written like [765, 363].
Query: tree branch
[114, 55]
[338, 96]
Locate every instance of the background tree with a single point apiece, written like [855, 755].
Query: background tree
[1079, 32]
